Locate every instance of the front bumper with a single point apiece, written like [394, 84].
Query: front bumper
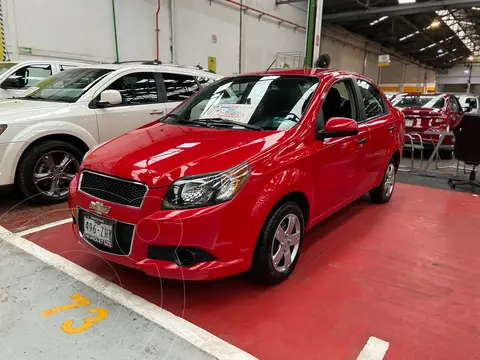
[213, 230]
[9, 156]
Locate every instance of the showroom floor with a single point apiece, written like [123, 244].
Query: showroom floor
[402, 274]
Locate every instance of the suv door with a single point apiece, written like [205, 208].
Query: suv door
[176, 88]
[375, 115]
[140, 105]
[335, 159]
[25, 77]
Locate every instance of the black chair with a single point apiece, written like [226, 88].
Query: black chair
[467, 148]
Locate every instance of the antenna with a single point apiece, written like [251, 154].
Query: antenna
[273, 62]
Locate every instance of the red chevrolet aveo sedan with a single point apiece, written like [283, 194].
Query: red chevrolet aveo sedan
[232, 178]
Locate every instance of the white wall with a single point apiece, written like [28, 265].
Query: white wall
[83, 30]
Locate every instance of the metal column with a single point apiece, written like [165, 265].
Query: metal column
[314, 31]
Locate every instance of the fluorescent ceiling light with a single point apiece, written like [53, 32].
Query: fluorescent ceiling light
[475, 8]
[406, 1]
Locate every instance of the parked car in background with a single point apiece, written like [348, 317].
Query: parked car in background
[45, 133]
[211, 193]
[437, 112]
[470, 103]
[17, 77]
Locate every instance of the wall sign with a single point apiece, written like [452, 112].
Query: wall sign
[384, 60]
[214, 38]
[212, 63]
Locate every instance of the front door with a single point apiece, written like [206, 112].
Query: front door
[336, 172]
[140, 105]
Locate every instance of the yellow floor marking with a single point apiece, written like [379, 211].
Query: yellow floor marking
[80, 301]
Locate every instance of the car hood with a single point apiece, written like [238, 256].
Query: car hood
[16, 109]
[158, 154]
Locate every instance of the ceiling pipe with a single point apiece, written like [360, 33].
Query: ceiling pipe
[263, 13]
[157, 31]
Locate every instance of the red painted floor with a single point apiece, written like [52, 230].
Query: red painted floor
[18, 214]
[406, 272]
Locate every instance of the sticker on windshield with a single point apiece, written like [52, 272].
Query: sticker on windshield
[234, 112]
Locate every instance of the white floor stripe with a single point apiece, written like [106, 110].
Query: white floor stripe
[44, 227]
[374, 349]
[191, 333]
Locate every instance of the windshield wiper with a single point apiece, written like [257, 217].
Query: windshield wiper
[217, 121]
[181, 120]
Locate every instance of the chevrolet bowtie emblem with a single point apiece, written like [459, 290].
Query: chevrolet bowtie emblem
[99, 208]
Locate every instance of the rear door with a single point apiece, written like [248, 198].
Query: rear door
[456, 112]
[381, 131]
[141, 104]
[176, 88]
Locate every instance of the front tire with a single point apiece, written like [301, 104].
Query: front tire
[45, 171]
[383, 193]
[279, 245]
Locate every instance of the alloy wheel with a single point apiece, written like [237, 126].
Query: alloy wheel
[286, 242]
[390, 180]
[54, 172]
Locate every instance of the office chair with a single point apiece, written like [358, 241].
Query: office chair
[467, 148]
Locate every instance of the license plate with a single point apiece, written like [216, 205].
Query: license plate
[98, 230]
[409, 122]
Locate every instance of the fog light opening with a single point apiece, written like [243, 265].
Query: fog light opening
[184, 257]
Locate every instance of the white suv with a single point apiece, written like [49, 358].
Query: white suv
[17, 77]
[45, 134]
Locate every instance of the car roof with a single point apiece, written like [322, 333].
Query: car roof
[194, 71]
[36, 61]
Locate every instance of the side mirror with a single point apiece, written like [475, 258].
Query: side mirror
[467, 109]
[338, 127]
[109, 98]
[12, 83]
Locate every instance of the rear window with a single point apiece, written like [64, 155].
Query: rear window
[419, 101]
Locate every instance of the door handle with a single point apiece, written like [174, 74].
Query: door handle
[362, 141]
[391, 128]
[157, 112]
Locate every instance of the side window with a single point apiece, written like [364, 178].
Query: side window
[136, 89]
[339, 102]
[454, 104]
[30, 75]
[372, 99]
[204, 82]
[179, 87]
[66, 67]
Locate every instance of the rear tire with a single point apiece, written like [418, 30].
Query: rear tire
[383, 193]
[279, 245]
[45, 166]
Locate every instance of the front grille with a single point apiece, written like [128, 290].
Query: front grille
[112, 189]
[122, 237]
[182, 256]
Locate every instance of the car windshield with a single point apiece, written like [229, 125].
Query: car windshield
[6, 66]
[419, 101]
[264, 102]
[65, 86]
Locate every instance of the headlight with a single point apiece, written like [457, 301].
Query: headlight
[2, 128]
[89, 152]
[207, 189]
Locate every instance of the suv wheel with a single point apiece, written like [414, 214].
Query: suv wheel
[382, 193]
[279, 245]
[46, 170]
